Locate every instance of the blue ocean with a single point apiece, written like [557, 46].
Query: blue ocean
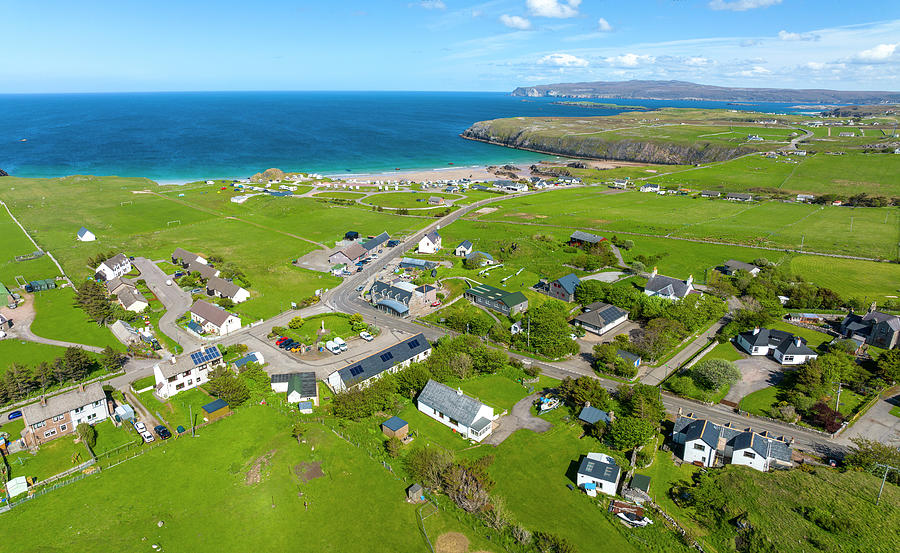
[174, 137]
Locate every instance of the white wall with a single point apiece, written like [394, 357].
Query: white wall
[190, 379]
[609, 488]
[240, 296]
[483, 411]
[137, 306]
[706, 454]
[92, 413]
[757, 461]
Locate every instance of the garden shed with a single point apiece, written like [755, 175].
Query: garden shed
[395, 427]
[216, 410]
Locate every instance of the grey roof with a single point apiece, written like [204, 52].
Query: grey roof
[394, 423]
[766, 337]
[280, 378]
[130, 296]
[383, 360]
[209, 312]
[450, 402]
[582, 236]
[377, 241]
[794, 346]
[606, 471]
[113, 284]
[190, 360]
[601, 314]
[569, 282]
[465, 244]
[667, 286]
[400, 308]
[388, 290]
[433, 236]
[641, 482]
[707, 432]
[303, 383]
[712, 193]
[733, 265]
[222, 286]
[765, 446]
[117, 259]
[893, 321]
[206, 271]
[413, 263]
[592, 415]
[476, 253]
[184, 255]
[63, 403]
[479, 425]
[739, 196]
[628, 356]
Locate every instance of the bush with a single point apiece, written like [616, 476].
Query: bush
[87, 433]
[393, 446]
[296, 323]
[714, 374]
[630, 432]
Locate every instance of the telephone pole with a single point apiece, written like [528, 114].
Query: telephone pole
[883, 478]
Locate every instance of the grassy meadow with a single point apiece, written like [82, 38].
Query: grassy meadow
[58, 319]
[26, 353]
[407, 199]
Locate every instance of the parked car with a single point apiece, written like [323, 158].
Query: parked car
[14, 415]
[140, 427]
[148, 437]
[162, 432]
[366, 336]
[436, 304]
[342, 345]
[360, 288]
[281, 340]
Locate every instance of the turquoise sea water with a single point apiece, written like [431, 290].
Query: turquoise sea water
[184, 136]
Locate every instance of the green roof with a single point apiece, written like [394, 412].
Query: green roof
[641, 482]
[510, 299]
[3, 291]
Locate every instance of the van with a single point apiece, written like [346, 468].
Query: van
[342, 345]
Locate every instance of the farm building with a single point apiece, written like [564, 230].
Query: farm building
[376, 241]
[430, 243]
[667, 287]
[464, 414]
[215, 410]
[213, 319]
[600, 318]
[56, 416]
[84, 235]
[389, 360]
[191, 370]
[598, 472]
[508, 303]
[581, 238]
[413, 263]
[395, 427]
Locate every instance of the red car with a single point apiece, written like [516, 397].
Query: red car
[436, 304]
[281, 340]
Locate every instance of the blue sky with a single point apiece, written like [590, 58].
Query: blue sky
[101, 45]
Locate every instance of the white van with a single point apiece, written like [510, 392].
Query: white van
[332, 347]
[341, 344]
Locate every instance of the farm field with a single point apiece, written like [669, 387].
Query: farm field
[26, 353]
[340, 195]
[849, 277]
[245, 467]
[16, 243]
[56, 317]
[407, 199]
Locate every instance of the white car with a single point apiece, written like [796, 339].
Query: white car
[148, 437]
[366, 336]
[140, 427]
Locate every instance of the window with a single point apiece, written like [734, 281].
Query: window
[63, 428]
[190, 382]
[92, 416]
[98, 402]
[699, 447]
[788, 358]
[749, 455]
[78, 410]
[453, 421]
[180, 386]
[58, 418]
[172, 379]
[51, 432]
[39, 425]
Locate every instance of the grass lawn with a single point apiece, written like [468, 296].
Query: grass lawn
[26, 353]
[406, 199]
[760, 401]
[431, 431]
[309, 332]
[110, 437]
[461, 306]
[813, 338]
[216, 503]
[13, 427]
[339, 195]
[16, 243]
[497, 391]
[168, 268]
[57, 318]
[145, 382]
[849, 277]
[51, 458]
[178, 409]
[726, 351]
[895, 410]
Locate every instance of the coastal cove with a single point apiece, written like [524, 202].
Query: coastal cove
[187, 136]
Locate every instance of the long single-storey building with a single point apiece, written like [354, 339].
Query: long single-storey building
[784, 347]
[600, 318]
[508, 303]
[464, 414]
[389, 360]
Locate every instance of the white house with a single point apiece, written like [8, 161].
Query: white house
[188, 372]
[430, 243]
[389, 360]
[700, 439]
[650, 187]
[793, 351]
[784, 347]
[759, 451]
[221, 288]
[600, 318]
[598, 472]
[667, 287]
[116, 266]
[709, 444]
[131, 300]
[464, 414]
[464, 249]
[84, 235]
[57, 416]
[299, 386]
[213, 319]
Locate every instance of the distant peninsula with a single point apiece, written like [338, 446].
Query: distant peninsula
[599, 105]
[681, 90]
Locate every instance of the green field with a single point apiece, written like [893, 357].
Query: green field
[309, 333]
[110, 436]
[407, 199]
[726, 351]
[57, 318]
[16, 243]
[26, 353]
[218, 505]
[340, 195]
[849, 277]
[177, 411]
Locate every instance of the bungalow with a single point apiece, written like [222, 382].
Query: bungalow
[464, 414]
[786, 348]
[580, 238]
[214, 319]
[183, 257]
[389, 360]
[707, 443]
[731, 267]
[376, 241]
[205, 270]
[600, 318]
[221, 288]
[508, 303]
[116, 266]
[84, 235]
[413, 263]
[435, 200]
[562, 288]
[598, 471]
[131, 300]
[399, 297]
[191, 370]
[650, 187]
[114, 285]
[430, 243]
[667, 287]
[486, 258]
[464, 249]
[875, 328]
[56, 416]
[710, 194]
[739, 197]
[349, 255]
[299, 386]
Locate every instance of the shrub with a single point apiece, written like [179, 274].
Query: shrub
[296, 323]
[714, 374]
[87, 433]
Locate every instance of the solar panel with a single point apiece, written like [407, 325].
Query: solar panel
[589, 466]
[356, 371]
[387, 356]
[414, 344]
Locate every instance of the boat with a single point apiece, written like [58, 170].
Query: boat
[548, 404]
[634, 519]
[23, 140]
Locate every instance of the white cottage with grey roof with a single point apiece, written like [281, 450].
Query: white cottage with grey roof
[598, 472]
[430, 243]
[191, 370]
[464, 414]
[600, 318]
[667, 287]
[116, 266]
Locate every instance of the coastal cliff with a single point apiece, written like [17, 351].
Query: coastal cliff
[594, 146]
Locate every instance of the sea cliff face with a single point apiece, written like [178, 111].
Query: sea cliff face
[594, 147]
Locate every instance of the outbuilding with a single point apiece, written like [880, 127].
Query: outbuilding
[216, 410]
[395, 427]
[84, 235]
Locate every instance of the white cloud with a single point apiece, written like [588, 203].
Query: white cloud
[515, 22]
[754, 71]
[697, 61]
[604, 25]
[629, 60]
[563, 60]
[560, 9]
[431, 4]
[784, 35]
[879, 53]
[741, 5]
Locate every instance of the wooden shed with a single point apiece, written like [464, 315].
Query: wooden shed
[395, 427]
[216, 410]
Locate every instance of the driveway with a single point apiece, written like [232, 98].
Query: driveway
[757, 372]
[23, 316]
[175, 300]
[878, 423]
[520, 417]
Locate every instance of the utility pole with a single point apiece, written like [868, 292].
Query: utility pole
[191, 411]
[883, 478]
[802, 238]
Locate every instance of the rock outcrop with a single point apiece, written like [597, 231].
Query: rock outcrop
[3, 173]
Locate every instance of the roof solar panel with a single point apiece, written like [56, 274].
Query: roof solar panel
[356, 371]
[589, 466]
[414, 344]
[387, 356]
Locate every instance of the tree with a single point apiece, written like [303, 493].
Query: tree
[596, 430]
[112, 360]
[87, 433]
[546, 542]
[92, 298]
[549, 331]
[19, 381]
[427, 465]
[43, 375]
[590, 291]
[223, 383]
[357, 324]
[473, 261]
[78, 363]
[866, 453]
[582, 390]
[630, 432]
[642, 401]
[393, 445]
[296, 323]
[889, 364]
[714, 374]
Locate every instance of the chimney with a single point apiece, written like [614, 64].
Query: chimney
[653, 274]
[679, 411]
[43, 401]
[797, 341]
[587, 404]
[872, 307]
[612, 417]
[172, 359]
[690, 280]
[755, 331]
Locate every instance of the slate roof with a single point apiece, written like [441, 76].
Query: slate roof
[184, 255]
[893, 321]
[705, 431]
[667, 286]
[733, 265]
[209, 312]
[112, 285]
[205, 270]
[767, 447]
[601, 316]
[591, 415]
[465, 244]
[710, 193]
[387, 290]
[118, 259]
[303, 383]
[599, 466]
[739, 196]
[383, 360]
[394, 423]
[450, 402]
[794, 346]
[569, 282]
[377, 241]
[433, 236]
[767, 337]
[130, 296]
[413, 263]
[63, 403]
[582, 236]
[222, 286]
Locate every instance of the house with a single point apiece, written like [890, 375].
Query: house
[806, 198]
[349, 255]
[214, 319]
[205, 270]
[874, 328]
[189, 371]
[739, 197]
[376, 241]
[731, 267]
[562, 288]
[710, 194]
[132, 300]
[650, 187]
[401, 298]
[708, 444]
[430, 243]
[784, 347]
[183, 257]
[759, 451]
[389, 360]
[480, 187]
[395, 427]
[221, 288]
[464, 414]
[632, 359]
[124, 333]
[435, 200]
[413, 263]
[600, 318]
[581, 238]
[116, 266]
[252, 357]
[598, 472]
[667, 287]
[215, 410]
[592, 415]
[56, 416]
[508, 303]
[300, 387]
[84, 235]
[464, 249]
[754, 138]
[510, 186]
[118, 283]
[485, 258]
[620, 183]
[700, 439]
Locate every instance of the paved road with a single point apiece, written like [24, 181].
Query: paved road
[878, 423]
[175, 300]
[23, 316]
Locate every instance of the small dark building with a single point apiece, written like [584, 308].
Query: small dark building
[351, 235]
[395, 427]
